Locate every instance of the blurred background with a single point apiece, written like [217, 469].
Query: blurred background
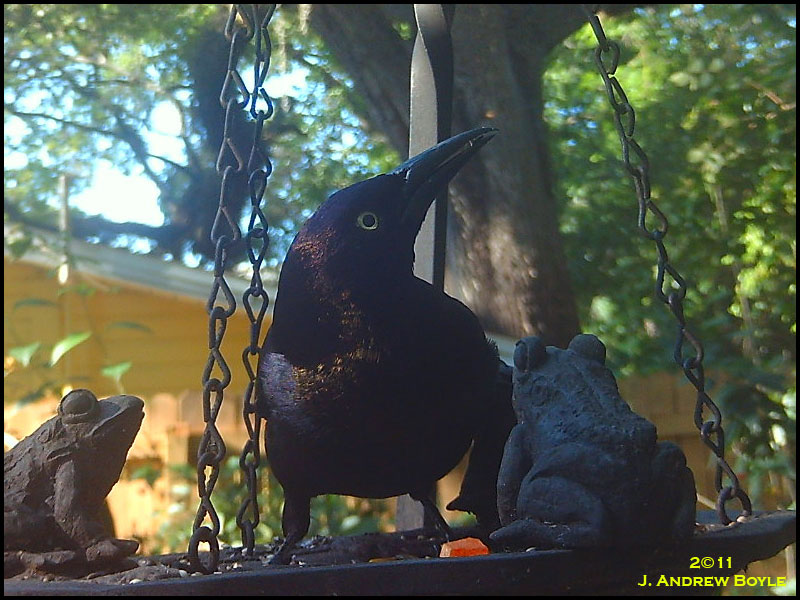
[112, 126]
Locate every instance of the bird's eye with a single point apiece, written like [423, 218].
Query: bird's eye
[367, 220]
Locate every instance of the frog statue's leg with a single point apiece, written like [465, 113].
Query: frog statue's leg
[673, 494]
[516, 463]
[555, 507]
[560, 513]
[80, 522]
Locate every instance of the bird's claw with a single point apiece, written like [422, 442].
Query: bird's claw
[283, 555]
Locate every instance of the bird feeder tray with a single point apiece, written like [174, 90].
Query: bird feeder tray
[709, 559]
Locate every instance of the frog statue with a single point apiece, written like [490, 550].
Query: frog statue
[55, 482]
[580, 468]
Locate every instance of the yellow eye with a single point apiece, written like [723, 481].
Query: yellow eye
[367, 220]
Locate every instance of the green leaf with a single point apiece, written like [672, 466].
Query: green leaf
[23, 354]
[130, 325]
[82, 289]
[680, 79]
[33, 302]
[716, 65]
[19, 246]
[116, 371]
[67, 344]
[150, 473]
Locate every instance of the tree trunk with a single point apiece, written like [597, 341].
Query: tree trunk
[505, 254]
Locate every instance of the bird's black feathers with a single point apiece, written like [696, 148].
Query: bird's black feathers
[373, 383]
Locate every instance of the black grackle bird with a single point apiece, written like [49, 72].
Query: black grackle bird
[373, 383]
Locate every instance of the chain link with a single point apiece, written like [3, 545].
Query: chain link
[225, 232]
[257, 241]
[635, 159]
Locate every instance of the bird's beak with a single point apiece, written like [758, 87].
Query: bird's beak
[428, 173]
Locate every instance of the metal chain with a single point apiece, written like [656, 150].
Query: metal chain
[225, 232]
[607, 56]
[259, 167]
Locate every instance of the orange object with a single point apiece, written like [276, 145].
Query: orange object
[465, 547]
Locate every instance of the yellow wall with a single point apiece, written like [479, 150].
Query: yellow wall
[168, 363]
[170, 358]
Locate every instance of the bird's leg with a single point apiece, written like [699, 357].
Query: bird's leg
[434, 515]
[296, 519]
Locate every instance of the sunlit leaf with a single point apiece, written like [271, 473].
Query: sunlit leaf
[82, 289]
[23, 354]
[680, 79]
[116, 371]
[67, 344]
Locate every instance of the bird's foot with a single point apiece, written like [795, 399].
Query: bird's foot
[283, 555]
[443, 530]
[434, 516]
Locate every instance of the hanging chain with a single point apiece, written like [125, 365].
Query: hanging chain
[257, 241]
[225, 232]
[607, 56]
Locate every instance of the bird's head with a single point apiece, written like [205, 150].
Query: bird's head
[363, 236]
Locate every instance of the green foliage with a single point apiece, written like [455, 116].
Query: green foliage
[320, 145]
[23, 354]
[61, 347]
[115, 372]
[714, 91]
[77, 80]
[149, 472]
[83, 83]
[30, 371]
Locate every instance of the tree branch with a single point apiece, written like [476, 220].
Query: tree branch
[777, 100]
[23, 114]
[82, 226]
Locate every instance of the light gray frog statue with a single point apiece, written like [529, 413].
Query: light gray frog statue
[580, 468]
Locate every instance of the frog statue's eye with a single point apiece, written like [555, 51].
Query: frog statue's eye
[529, 354]
[367, 220]
[589, 346]
[78, 406]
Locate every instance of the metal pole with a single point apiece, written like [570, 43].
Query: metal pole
[430, 122]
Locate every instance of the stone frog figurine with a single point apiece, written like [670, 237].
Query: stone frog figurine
[55, 482]
[581, 469]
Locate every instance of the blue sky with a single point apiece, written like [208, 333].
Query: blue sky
[135, 196]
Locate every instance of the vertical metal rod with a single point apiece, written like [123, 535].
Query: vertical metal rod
[430, 122]
[64, 270]
[64, 181]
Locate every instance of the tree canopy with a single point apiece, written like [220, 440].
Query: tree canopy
[715, 94]
[81, 89]
[715, 97]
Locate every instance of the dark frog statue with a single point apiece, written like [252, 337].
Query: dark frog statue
[55, 482]
[581, 469]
